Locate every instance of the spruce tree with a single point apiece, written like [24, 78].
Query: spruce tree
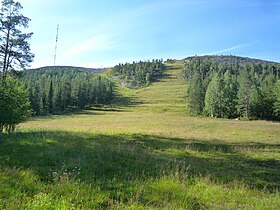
[276, 104]
[50, 97]
[267, 96]
[214, 97]
[196, 94]
[230, 89]
[244, 93]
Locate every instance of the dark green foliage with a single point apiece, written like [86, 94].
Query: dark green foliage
[276, 104]
[230, 89]
[14, 104]
[267, 96]
[196, 94]
[55, 90]
[213, 98]
[138, 73]
[14, 46]
[245, 93]
[221, 96]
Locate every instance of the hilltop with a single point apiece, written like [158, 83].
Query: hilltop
[229, 59]
[91, 70]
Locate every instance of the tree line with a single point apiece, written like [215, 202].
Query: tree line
[138, 73]
[231, 90]
[54, 90]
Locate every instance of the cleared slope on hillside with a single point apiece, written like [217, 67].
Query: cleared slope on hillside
[167, 94]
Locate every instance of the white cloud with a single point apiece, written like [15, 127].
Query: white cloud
[230, 49]
[96, 43]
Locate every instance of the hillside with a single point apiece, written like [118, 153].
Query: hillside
[166, 94]
[142, 152]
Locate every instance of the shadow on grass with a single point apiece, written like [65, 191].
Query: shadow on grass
[121, 101]
[89, 111]
[161, 76]
[103, 158]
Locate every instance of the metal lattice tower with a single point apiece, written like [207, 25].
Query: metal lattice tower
[55, 45]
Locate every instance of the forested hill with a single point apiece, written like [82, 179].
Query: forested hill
[138, 74]
[58, 68]
[55, 89]
[228, 59]
[230, 87]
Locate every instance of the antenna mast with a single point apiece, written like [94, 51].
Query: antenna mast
[55, 44]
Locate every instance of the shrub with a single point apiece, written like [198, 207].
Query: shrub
[14, 104]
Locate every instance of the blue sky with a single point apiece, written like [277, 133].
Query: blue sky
[102, 33]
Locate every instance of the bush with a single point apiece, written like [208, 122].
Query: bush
[14, 104]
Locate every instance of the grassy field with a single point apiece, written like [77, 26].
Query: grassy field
[143, 152]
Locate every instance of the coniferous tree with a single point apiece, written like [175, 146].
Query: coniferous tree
[267, 97]
[50, 97]
[196, 94]
[213, 97]
[75, 92]
[229, 95]
[14, 46]
[65, 91]
[276, 104]
[57, 98]
[244, 93]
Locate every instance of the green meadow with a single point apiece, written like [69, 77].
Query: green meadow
[142, 152]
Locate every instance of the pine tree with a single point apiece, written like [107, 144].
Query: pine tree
[14, 48]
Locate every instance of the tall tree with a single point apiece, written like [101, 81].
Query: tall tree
[14, 46]
[214, 97]
[276, 105]
[244, 93]
[196, 94]
[230, 89]
[267, 97]
[50, 96]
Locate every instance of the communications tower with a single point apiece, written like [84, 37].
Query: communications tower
[55, 49]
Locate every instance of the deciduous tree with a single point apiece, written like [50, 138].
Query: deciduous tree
[14, 104]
